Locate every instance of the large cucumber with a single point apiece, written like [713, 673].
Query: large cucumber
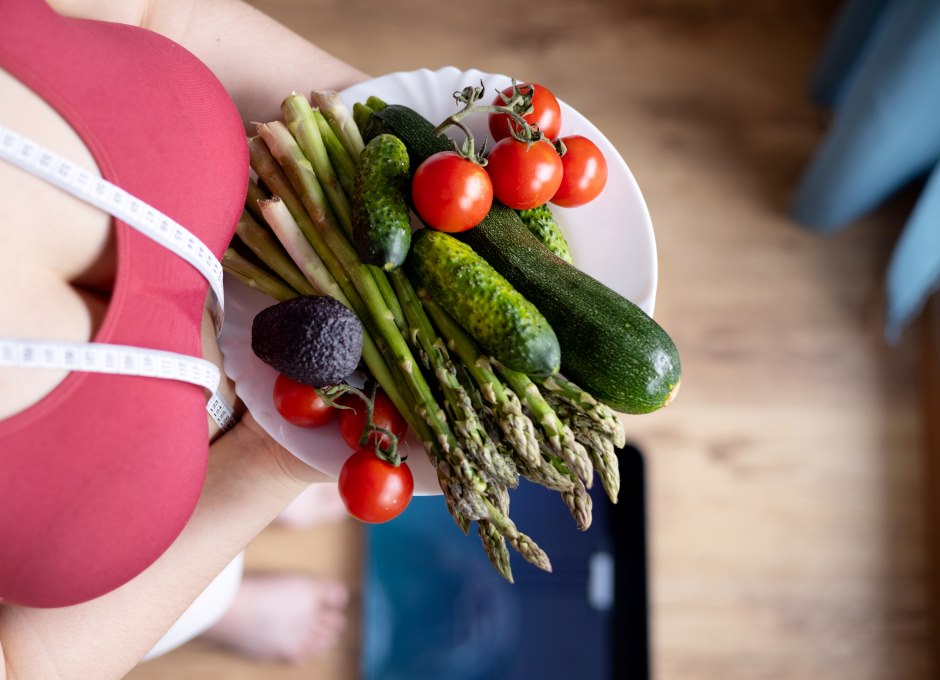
[506, 325]
[609, 346]
[381, 221]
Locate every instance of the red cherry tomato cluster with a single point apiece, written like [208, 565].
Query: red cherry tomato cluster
[373, 489]
[453, 193]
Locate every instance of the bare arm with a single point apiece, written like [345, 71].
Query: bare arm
[258, 60]
[249, 482]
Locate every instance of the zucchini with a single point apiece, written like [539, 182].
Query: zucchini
[416, 131]
[505, 325]
[381, 220]
[609, 346]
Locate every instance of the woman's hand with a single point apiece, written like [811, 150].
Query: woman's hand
[283, 464]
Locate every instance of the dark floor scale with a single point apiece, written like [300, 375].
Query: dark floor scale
[435, 609]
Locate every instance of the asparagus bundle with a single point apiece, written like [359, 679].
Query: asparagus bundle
[482, 424]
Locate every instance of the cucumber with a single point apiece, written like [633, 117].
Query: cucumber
[543, 226]
[609, 346]
[505, 325]
[381, 221]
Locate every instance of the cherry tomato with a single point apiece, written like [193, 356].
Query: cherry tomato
[373, 490]
[451, 193]
[546, 113]
[300, 404]
[524, 176]
[585, 172]
[352, 421]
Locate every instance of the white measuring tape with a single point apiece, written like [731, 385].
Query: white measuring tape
[89, 187]
[107, 358]
[120, 360]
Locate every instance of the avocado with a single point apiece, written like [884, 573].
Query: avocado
[312, 339]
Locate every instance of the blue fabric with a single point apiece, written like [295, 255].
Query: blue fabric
[914, 270]
[850, 39]
[886, 133]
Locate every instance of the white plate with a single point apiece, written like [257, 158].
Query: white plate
[610, 238]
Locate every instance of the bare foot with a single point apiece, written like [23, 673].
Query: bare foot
[285, 617]
[318, 503]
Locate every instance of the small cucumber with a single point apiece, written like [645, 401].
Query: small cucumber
[506, 325]
[609, 346]
[543, 226]
[381, 221]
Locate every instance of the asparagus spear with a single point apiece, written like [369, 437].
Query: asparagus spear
[256, 277]
[579, 504]
[303, 126]
[559, 435]
[375, 103]
[515, 425]
[603, 415]
[255, 194]
[466, 424]
[597, 440]
[461, 514]
[343, 163]
[288, 232]
[605, 461]
[522, 544]
[361, 114]
[269, 251]
[341, 122]
[549, 474]
[494, 545]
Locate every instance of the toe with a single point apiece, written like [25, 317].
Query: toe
[335, 594]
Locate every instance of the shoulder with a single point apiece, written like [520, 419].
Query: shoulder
[132, 12]
[142, 13]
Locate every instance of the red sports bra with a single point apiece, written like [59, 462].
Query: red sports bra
[100, 476]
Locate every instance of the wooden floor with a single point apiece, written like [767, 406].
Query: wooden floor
[787, 493]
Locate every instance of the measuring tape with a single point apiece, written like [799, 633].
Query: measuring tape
[89, 187]
[120, 360]
[107, 358]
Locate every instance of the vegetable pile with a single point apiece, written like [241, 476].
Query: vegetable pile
[503, 359]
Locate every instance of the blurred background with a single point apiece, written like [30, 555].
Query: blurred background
[788, 486]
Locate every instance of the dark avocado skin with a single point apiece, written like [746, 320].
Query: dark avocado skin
[314, 340]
